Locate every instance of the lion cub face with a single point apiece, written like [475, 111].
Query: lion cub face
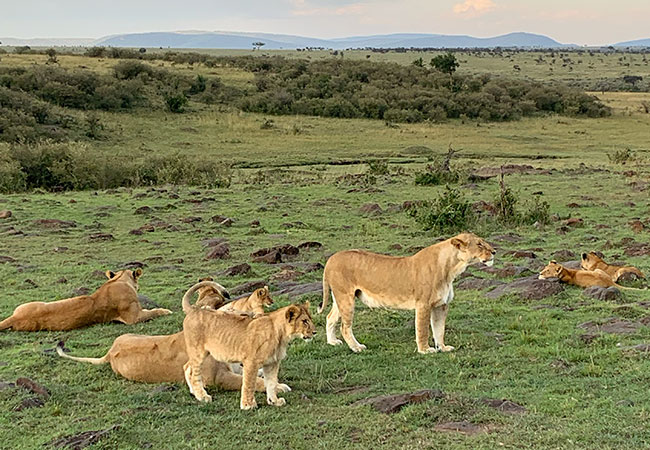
[129, 276]
[210, 297]
[552, 270]
[590, 261]
[474, 249]
[300, 322]
[262, 297]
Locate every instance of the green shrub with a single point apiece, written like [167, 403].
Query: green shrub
[506, 205]
[440, 171]
[378, 167]
[176, 102]
[621, 156]
[451, 212]
[538, 211]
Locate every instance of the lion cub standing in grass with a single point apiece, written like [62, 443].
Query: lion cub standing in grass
[422, 282]
[115, 300]
[591, 261]
[253, 303]
[256, 342]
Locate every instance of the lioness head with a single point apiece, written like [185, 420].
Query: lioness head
[552, 270]
[590, 261]
[129, 276]
[210, 297]
[300, 322]
[472, 249]
[262, 297]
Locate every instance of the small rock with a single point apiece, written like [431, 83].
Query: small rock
[563, 255]
[6, 259]
[227, 222]
[574, 222]
[309, 245]
[637, 226]
[237, 270]
[389, 404]
[504, 405]
[32, 402]
[33, 387]
[273, 257]
[143, 210]
[395, 247]
[254, 224]
[521, 254]
[191, 219]
[477, 283]
[600, 293]
[219, 251]
[97, 237]
[212, 242]
[529, 288]
[247, 287]
[371, 209]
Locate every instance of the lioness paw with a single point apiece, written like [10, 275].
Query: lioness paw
[283, 388]
[428, 351]
[446, 348]
[277, 402]
[358, 349]
[248, 406]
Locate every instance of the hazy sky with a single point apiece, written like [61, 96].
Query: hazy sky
[568, 21]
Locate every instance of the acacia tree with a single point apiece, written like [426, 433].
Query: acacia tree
[445, 63]
[257, 45]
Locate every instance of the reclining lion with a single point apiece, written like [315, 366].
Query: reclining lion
[255, 341]
[422, 282]
[591, 261]
[581, 278]
[115, 300]
[253, 303]
[157, 359]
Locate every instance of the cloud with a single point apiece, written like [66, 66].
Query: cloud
[474, 7]
[303, 9]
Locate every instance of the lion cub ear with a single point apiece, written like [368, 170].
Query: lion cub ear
[137, 273]
[584, 256]
[292, 312]
[306, 306]
[458, 243]
[110, 274]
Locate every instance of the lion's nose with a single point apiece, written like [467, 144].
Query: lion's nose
[494, 252]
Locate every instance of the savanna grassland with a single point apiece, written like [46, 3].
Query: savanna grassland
[341, 182]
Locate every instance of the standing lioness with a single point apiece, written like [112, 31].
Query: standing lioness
[115, 300]
[422, 282]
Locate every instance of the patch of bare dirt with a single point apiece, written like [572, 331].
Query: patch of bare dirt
[82, 440]
[504, 405]
[389, 404]
[464, 427]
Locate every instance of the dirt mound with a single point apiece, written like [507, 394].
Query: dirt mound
[504, 405]
[389, 404]
[219, 251]
[82, 440]
[529, 288]
[236, 270]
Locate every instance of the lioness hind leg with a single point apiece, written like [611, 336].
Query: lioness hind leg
[346, 309]
[332, 319]
[194, 379]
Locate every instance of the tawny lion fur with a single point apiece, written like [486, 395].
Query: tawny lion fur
[581, 278]
[254, 302]
[115, 300]
[422, 282]
[255, 341]
[157, 359]
[591, 261]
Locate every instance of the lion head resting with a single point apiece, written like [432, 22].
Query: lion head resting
[552, 270]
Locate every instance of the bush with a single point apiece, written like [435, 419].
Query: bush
[538, 211]
[378, 167]
[621, 156]
[440, 172]
[176, 102]
[506, 205]
[451, 212]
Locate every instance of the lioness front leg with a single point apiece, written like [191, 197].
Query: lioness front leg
[422, 316]
[271, 383]
[247, 400]
[438, 319]
[135, 314]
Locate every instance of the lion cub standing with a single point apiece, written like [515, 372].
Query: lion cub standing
[256, 342]
[253, 303]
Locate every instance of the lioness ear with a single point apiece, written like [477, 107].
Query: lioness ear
[584, 256]
[553, 261]
[110, 274]
[458, 243]
[306, 306]
[292, 313]
[137, 273]
[225, 294]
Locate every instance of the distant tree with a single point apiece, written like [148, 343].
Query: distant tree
[418, 62]
[22, 49]
[445, 63]
[51, 56]
[142, 50]
[257, 45]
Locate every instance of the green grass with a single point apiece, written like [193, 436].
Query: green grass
[577, 394]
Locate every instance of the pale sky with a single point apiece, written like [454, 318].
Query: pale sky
[592, 22]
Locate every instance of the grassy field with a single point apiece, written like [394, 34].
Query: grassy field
[578, 392]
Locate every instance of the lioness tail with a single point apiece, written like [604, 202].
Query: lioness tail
[326, 295]
[187, 307]
[7, 323]
[97, 361]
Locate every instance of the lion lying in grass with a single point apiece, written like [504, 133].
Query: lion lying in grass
[115, 300]
[253, 303]
[422, 282]
[256, 342]
[591, 261]
[157, 359]
[581, 278]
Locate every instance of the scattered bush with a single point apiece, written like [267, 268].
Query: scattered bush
[176, 102]
[538, 211]
[451, 212]
[378, 167]
[440, 172]
[621, 156]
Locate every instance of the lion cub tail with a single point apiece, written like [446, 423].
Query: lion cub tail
[97, 361]
[7, 323]
[187, 306]
[326, 295]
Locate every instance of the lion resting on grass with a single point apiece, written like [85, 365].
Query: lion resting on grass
[158, 359]
[255, 341]
[253, 303]
[591, 261]
[581, 278]
[115, 300]
[422, 282]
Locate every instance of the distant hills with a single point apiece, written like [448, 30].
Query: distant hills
[239, 40]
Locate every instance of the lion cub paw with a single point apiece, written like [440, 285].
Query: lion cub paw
[278, 402]
[166, 311]
[283, 388]
[358, 349]
[446, 348]
[335, 342]
[248, 406]
[206, 398]
[428, 351]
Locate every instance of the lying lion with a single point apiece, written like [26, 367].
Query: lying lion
[422, 282]
[255, 341]
[591, 261]
[157, 359]
[582, 278]
[115, 300]
[254, 303]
